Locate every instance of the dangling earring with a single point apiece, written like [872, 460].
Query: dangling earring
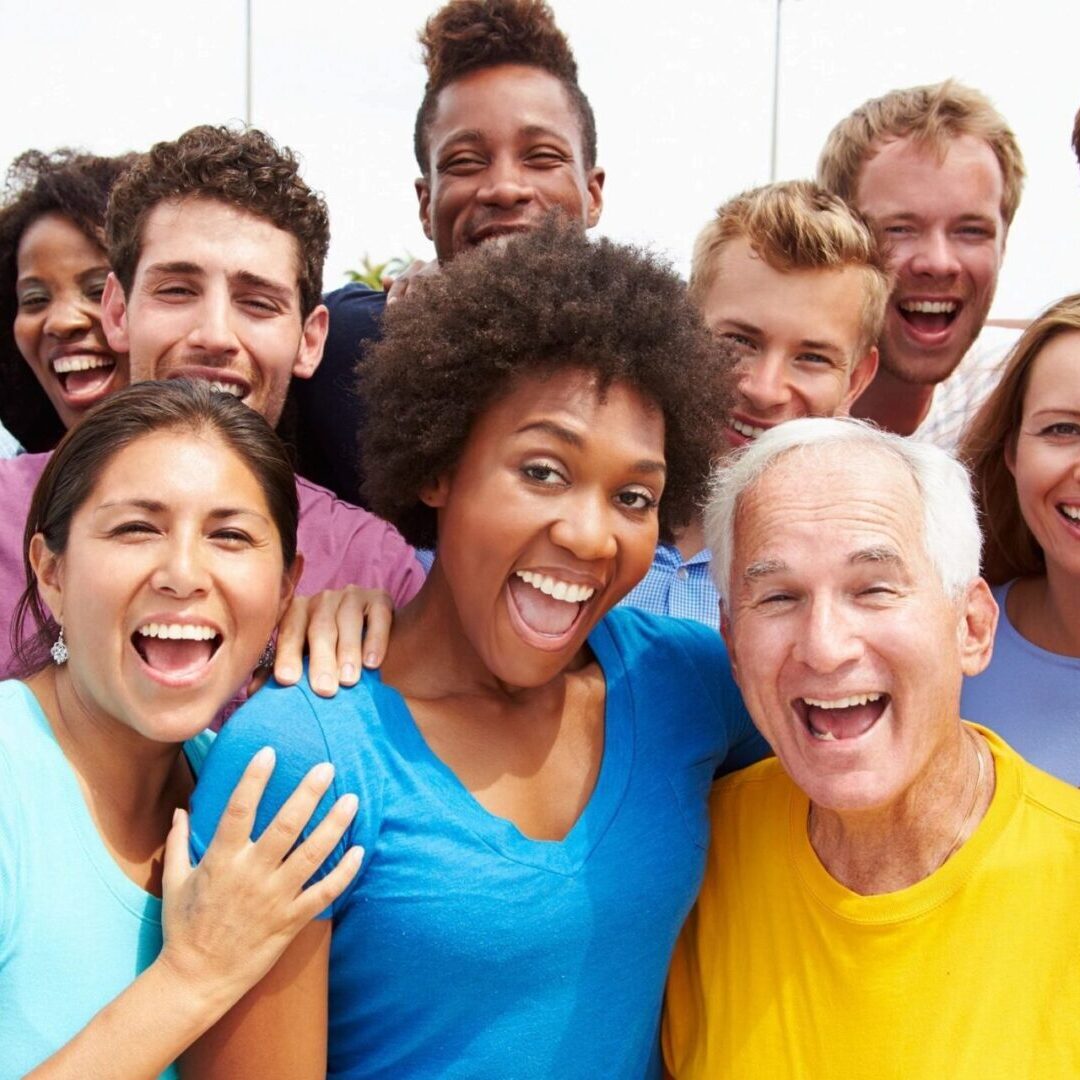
[268, 655]
[59, 649]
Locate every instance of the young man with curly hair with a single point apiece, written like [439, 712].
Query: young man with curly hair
[217, 247]
[504, 135]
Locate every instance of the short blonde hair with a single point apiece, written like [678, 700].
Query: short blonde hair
[933, 115]
[796, 225]
[990, 437]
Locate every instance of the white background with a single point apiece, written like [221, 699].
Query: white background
[681, 90]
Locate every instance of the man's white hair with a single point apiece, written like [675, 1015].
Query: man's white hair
[950, 523]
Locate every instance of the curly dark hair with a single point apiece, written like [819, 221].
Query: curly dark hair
[548, 301]
[466, 35]
[246, 169]
[68, 182]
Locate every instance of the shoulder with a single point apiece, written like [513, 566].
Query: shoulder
[18, 477]
[745, 795]
[20, 719]
[1051, 796]
[356, 307]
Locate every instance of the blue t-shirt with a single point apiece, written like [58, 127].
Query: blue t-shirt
[465, 949]
[74, 929]
[1030, 697]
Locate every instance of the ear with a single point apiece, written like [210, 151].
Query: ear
[729, 641]
[594, 185]
[435, 492]
[47, 568]
[114, 315]
[423, 195]
[312, 340]
[289, 580]
[862, 375]
[979, 616]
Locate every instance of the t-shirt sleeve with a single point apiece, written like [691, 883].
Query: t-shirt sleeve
[303, 732]
[9, 852]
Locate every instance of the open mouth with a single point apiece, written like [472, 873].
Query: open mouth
[929, 316]
[836, 719]
[1070, 512]
[747, 431]
[83, 375]
[547, 609]
[176, 652]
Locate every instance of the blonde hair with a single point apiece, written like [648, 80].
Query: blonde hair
[933, 115]
[990, 437]
[796, 225]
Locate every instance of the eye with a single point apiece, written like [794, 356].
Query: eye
[978, 231]
[462, 164]
[542, 472]
[32, 301]
[94, 291]
[877, 591]
[260, 304]
[816, 359]
[1062, 429]
[636, 499]
[174, 291]
[546, 158]
[133, 529]
[233, 538]
[775, 599]
[740, 341]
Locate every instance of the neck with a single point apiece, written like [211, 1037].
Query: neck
[893, 847]
[691, 540]
[1044, 611]
[893, 404]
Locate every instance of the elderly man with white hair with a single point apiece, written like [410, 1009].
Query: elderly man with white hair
[896, 893]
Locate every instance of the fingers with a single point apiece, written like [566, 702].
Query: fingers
[176, 865]
[396, 290]
[290, 641]
[380, 616]
[323, 893]
[310, 855]
[351, 618]
[289, 822]
[234, 828]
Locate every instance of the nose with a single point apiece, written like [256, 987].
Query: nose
[182, 571]
[213, 332]
[506, 185]
[763, 381]
[935, 255]
[585, 527]
[67, 317]
[828, 639]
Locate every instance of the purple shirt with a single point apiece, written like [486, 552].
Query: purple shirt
[341, 544]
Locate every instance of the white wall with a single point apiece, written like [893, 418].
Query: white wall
[683, 105]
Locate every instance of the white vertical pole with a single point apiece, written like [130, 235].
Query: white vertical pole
[775, 94]
[249, 14]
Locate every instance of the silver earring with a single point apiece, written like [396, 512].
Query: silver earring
[268, 655]
[59, 649]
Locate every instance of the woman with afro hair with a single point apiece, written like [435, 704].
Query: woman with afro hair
[532, 766]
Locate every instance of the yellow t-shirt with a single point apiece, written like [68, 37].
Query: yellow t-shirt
[973, 972]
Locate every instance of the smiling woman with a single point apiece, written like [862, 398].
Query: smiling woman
[160, 552]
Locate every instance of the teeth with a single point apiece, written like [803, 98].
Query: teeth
[227, 388]
[844, 703]
[80, 362]
[559, 590]
[1072, 512]
[747, 430]
[929, 307]
[824, 736]
[178, 631]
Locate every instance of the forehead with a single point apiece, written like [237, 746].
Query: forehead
[1055, 374]
[502, 102]
[56, 238]
[810, 510]
[906, 176]
[217, 237]
[822, 304]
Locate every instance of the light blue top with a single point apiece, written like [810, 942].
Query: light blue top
[74, 929]
[464, 948]
[677, 586]
[1030, 697]
[9, 445]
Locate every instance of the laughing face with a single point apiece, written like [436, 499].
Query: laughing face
[942, 226]
[1046, 458]
[547, 520]
[847, 649]
[61, 275]
[216, 296]
[798, 334]
[170, 586]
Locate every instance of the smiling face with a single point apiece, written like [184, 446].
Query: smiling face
[799, 336]
[170, 586]
[847, 649]
[942, 225]
[504, 149]
[548, 519]
[1046, 457]
[216, 296]
[61, 275]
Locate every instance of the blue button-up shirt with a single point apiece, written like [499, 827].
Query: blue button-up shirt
[675, 587]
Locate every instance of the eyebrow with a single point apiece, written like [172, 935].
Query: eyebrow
[877, 553]
[763, 568]
[154, 506]
[1056, 410]
[572, 438]
[178, 266]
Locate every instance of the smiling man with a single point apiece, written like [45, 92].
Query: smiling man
[503, 136]
[895, 893]
[938, 173]
[793, 280]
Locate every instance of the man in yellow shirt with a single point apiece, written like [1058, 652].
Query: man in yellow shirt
[896, 894]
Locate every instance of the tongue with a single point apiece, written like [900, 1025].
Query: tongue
[844, 723]
[541, 612]
[928, 323]
[175, 657]
[77, 383]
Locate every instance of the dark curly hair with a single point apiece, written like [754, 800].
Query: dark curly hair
[548, 301]
[68, 182]
[246, 169]
[466, 35]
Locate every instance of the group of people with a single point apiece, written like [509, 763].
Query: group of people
[726, 725]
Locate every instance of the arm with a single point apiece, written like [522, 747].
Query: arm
[225, 923]
[278, 1029]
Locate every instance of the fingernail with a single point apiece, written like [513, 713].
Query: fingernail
[265, 757]
[349, 804]
[324, 682]
[176, 815]
[356, 852]
[372, 659]
[348, 672]
[288, 674]
[323, 774]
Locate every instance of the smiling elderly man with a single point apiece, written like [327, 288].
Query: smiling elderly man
[896, 893]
